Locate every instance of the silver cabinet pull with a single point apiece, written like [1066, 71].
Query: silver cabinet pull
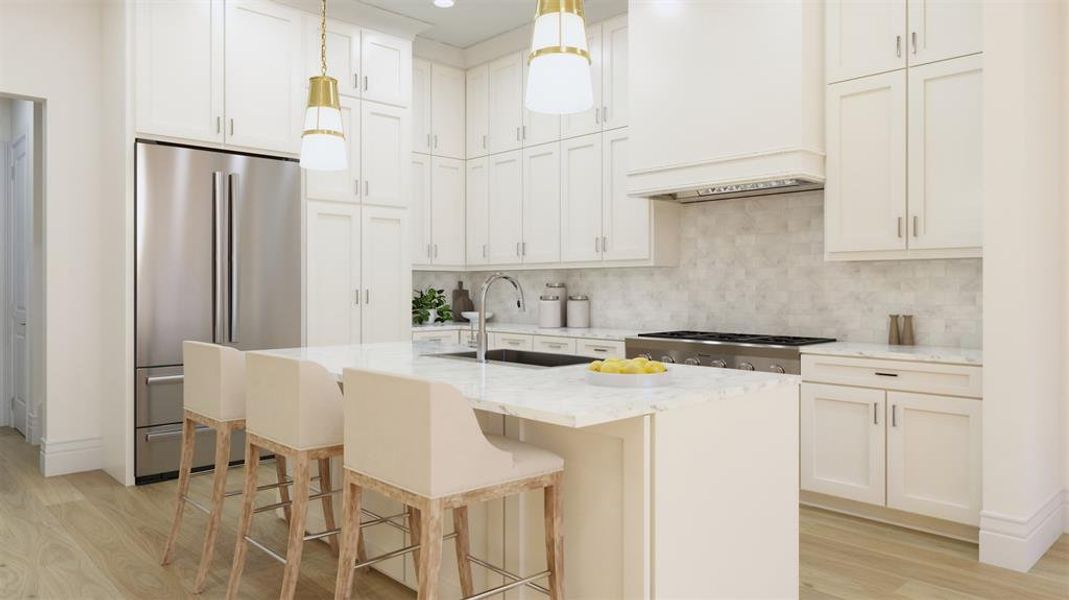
[428, 140]
[597, 245]
[604, 244]
[356, 297]
[523, 248]
[428, 250]
[218, 124]
[517, 134]
[916, 221]
[164, 379]
[899, 226]
[484, 142]
[898, 46]
[356, 187]
[151, 437]
[484, 250]
[231, 126]
[604, 114]
[435, 250]
[913, 39]
[875, 413]
[517, 248]
[597, 117]
[365, 83]
[436, 141]
[894, 415]
[356, 81]
[524, 132]
[367, 296]
[367, 188]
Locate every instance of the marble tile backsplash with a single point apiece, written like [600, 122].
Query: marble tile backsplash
[757, 265]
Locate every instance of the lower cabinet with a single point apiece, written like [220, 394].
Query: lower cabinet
[451, 336]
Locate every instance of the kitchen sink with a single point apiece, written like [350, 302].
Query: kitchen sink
[522, 357]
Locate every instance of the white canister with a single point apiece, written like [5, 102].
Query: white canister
[549, 311]
[579, 311]
[561, 291]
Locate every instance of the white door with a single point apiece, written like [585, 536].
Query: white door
[946, 154]
[588, 122]
[477, 122]
[264, 87]
[477, 224]
[447, 211]
[842, 442]
[179, 69]
[421, 106]
[581, 196]
[505, 208]
[343, 185]
[506, 103]
[419, 211]
[387, 65]
[385, 154]
[864, 38]
[538, 128]
[614, 65]
[343, 54]
[386, 275]
[933, 456]
[625, 219]
[541, 204]
[333, 272]
[21, 227]
[865, 191]
[941, 29]
[447, 111]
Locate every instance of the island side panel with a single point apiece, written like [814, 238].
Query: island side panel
[725, 498]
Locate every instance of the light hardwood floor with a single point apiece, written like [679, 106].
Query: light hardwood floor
[85, 536]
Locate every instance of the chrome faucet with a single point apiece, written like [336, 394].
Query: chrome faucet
[480, 352]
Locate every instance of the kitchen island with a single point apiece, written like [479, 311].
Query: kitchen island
[684, 491]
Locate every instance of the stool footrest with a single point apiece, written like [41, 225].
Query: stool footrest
[197, 505]
[322, 534]
[270, 552]
[512, 584]
[516, 579]
[396, 553]
[285, 503]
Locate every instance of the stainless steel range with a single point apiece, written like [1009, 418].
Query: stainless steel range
[746, 351]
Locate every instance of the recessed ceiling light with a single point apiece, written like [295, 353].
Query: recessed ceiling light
[443, 3]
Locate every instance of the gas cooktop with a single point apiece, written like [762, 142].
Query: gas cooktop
[737, 338]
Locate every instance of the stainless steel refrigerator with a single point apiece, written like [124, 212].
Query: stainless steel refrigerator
[218, 259]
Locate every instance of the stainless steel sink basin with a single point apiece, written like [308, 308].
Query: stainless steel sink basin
[522, 357]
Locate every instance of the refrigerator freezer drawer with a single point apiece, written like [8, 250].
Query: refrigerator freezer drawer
[159, 448]
[157, 396]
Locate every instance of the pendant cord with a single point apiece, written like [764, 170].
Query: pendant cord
[323, 39]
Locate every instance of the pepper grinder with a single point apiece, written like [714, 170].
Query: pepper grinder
[907, 330]
[892, 331]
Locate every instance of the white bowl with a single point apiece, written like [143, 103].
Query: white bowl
[473, 315]
[639, 380]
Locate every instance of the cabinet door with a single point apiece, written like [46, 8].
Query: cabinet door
[179, 69]
[933, 456]
[941, 29]
[946, 154]
[477, 99]
[419, 210]
[333, 271]
[263, 76]
[506, 103]
[343, 54]
[625, 220]
[864, 38]
[447, 111]
[447, 211]
[614, 67]
[541, 204]
[387, 66]
[385, 154]
[581, 195]
[505, 205]
[344, 185]
[386, 275]
[477, 228]
[842, 442]
[538, 128]
[588, 122]
[421, 106]
[865, 190]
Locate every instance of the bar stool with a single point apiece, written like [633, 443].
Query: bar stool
[214, 397]
[294, 410]
[418, 442]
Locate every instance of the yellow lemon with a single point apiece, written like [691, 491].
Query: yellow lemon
[595, 366]
[651, 369]
[633, 369]
[609, 368]
[641, 360]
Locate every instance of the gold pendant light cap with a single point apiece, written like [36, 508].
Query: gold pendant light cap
[323, 92]
[546, 7]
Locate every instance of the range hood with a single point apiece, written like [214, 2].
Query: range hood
[726, 98]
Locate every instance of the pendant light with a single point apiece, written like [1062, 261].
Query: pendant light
[558, 78]
[323, 140]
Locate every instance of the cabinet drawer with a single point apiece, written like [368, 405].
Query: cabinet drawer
[438, 337]
[600, 348]
[932, 378]
[514, 341]
[555, 345]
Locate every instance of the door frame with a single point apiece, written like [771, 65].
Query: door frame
[6, 391]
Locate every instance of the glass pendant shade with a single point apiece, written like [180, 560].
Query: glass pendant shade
[323, 140]
[559, 75]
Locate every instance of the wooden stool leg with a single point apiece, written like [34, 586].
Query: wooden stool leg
[430, 556]
[350, 540]
[222, 462]
[328, 503]
[414, 523]
[184, 467]
[248, 503]
[554, 516]
[298, 514]
[283, 491]
[463, 548]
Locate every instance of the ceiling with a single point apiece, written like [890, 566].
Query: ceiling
[469, 22]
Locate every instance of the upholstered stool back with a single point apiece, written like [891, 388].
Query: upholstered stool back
[214, 384]
[292, 402]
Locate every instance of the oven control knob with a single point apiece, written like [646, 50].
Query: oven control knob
[645, 355]
[692, 361]
[667, 359]
[745, 366]
[777, 369]
[719, 363]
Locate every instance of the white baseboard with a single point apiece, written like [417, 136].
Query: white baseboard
[71, 456]
[1016, 543]
[1065, 509]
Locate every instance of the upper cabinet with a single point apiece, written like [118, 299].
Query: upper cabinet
[477, 121]
[614, 65]
[506, 103]
[447, 111]
[538, 128]
[387, 68]
[589, 121]
[344, 185]
[477, 211]
[421, 106]
[343, 53]
[942, 29]
[386, 154]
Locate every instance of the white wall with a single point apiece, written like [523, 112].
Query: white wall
[1025, 276]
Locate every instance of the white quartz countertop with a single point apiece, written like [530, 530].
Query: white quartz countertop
[934, 354]
[599, 333]
[557, 395]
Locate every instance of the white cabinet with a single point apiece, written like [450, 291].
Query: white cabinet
[599, 348]
[514, 341]
[541, 204]
[344, 185]
[437, 337]
[179, 69]
[343, 54]
[538, 128]
[421, 106]
[477, 209]
[419, 210]
[941, 29]
[864, 38]
[333, 274]
[505, 208]
[581, 199]
[614, 67]
[625, 219]
[264, 106]
[387, 68]
[477, 121]
[589, 121]
[447, 111]
[386, 154]
[447, 211]
[933, 456]
[842, 442]
[553, 344]
[386, 275]
[506, 103]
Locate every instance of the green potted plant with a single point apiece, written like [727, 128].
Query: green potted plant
[429, 306]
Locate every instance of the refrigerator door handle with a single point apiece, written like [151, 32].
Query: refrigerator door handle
[219, 220]
[233, 227]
